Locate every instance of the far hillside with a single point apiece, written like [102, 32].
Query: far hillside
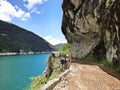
[15, 39]
[59, 46]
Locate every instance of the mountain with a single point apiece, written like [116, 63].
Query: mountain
[15, 39]
[59, 46]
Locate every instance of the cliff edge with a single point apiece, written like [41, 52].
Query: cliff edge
[92, 27]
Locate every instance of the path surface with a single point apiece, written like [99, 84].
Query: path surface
[87, 77]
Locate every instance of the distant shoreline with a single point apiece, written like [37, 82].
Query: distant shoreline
[3, 54]
[14, 53]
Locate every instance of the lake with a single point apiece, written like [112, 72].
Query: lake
[15, 71]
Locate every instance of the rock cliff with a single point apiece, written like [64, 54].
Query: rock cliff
[92, 27]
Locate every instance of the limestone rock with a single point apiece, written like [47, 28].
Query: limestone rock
[92, 27]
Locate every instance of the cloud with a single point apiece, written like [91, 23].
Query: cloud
[8, 12]
[26, 16]
[31, 3]
[53, 40]
[36, 11]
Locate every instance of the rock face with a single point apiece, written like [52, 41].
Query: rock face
[92, 27]
[53, 65]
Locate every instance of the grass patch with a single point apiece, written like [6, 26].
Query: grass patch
[54, 75]
[91, 58]
[117, 68]
[42, 80]
[106, 63]
[38, 81]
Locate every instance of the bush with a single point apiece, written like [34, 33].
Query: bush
[65, 50]
[106, 63]
[91, 58]
[117, 69]
[38, 81]
[41, 80]
[54, 75]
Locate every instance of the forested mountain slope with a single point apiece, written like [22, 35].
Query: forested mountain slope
[15, 39]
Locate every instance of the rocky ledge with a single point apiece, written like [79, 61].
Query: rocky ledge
[92, 27]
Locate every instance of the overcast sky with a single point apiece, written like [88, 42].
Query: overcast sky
[43, 17]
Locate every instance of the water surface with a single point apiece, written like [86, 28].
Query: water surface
[15, 71]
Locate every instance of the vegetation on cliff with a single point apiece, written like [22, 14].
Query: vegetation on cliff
[53, 69]
[17, 39]
[65, 50]
[41, 80]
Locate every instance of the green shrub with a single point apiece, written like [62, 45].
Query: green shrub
[38, 81]
[54, 75]
[106, 63]
[90, 58]
[118, 69]
[65, 50]
[41, 80]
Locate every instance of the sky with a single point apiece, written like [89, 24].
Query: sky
[42, 17]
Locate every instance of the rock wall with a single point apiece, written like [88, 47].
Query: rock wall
[92, 27]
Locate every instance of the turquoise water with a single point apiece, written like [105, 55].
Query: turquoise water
[15, 71]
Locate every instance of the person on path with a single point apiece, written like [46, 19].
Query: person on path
[68, 62]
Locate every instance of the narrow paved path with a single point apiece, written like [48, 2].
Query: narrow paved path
[87, 77]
